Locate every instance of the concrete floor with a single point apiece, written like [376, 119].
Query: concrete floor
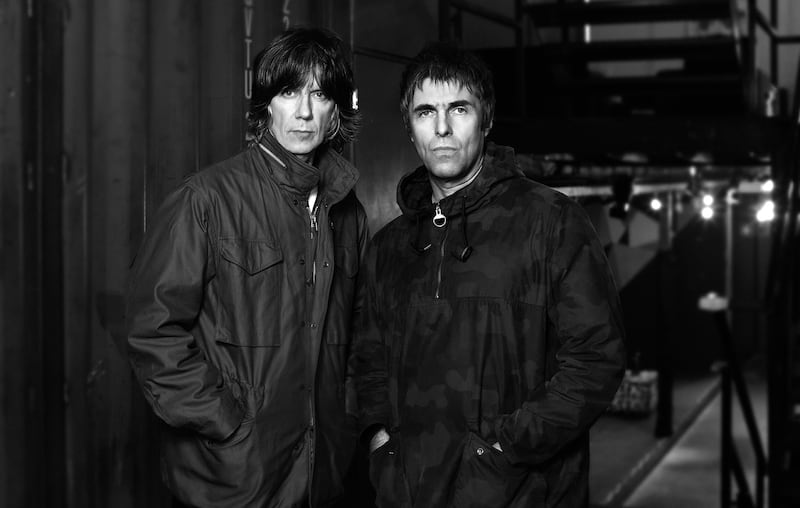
[682, 470]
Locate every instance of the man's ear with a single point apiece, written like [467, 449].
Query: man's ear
[488, 128]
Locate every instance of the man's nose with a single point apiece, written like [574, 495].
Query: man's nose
[443, 125]
[303, 106]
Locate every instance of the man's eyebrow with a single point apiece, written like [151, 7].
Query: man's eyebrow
[462, 102]
[450, 105]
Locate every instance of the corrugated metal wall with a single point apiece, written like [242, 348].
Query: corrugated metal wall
[105, 107]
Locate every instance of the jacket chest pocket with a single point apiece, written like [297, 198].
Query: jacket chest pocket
[250, 282]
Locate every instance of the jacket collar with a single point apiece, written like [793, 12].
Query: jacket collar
[331, 173]
[414, 190]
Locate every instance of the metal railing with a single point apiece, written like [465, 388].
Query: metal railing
[781, 296]
[732, 379]
[757, 19]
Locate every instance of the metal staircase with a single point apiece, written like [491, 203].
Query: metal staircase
[691, 95]
[699, 100]
[783, 310]
[704, 77]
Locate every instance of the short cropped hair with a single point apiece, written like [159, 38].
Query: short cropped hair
[443, 62]
[286, 64]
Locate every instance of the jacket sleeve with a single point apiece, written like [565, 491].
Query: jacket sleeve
[370, 354]
[351, 393]
[164, 298]
[586, 330]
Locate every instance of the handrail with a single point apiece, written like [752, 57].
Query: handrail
[382, 55]
[757, 19]
[733, 378]
[485, 13]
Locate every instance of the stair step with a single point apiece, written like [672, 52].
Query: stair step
[719, 49]
[625, 11]
[666, 84]
[710, 79]
[730, 140]
[661, 95]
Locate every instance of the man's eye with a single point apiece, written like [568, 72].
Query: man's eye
[319, 94]
[425, 113]
[460, 110]
[288, 93]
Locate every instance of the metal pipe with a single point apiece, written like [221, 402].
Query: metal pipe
[725, 439]
[519, 56]
[734, 371]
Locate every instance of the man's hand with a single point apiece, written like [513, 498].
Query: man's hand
[379, 439]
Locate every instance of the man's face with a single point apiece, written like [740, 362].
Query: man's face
[299, 119]
[445, 120]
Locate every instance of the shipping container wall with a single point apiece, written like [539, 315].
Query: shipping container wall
[14, 348]
[153, 92]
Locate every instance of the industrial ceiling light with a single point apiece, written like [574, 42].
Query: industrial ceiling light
[767, 211]
[656, 204]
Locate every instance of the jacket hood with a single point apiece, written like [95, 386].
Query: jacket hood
[331, 173]
[414, 194]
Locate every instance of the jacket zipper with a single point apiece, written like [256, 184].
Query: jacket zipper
[312, 214]
[313, 222]
[441, 263]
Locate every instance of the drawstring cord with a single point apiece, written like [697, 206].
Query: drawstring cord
[415, 244]
[467, 250]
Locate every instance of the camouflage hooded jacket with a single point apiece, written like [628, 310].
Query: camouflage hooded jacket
[502, 326]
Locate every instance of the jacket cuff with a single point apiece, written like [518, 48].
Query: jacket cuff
[500, 435]
[231, 414]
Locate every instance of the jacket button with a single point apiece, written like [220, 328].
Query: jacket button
[326, 264]
[313, 325]
[295, 201]
[302, 261]
[480, 451]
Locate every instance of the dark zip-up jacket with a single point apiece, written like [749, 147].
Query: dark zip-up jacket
[239, 314]
[503, 325]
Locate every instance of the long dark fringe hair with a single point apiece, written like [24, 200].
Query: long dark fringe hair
[285, 65]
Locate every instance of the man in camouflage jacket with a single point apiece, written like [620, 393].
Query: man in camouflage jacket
[490, 335]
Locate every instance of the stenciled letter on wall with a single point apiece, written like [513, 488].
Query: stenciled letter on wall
[248, 44]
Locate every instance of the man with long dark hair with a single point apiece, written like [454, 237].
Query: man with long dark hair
[241, 296]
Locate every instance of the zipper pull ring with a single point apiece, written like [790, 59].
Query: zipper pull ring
[439, 219]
